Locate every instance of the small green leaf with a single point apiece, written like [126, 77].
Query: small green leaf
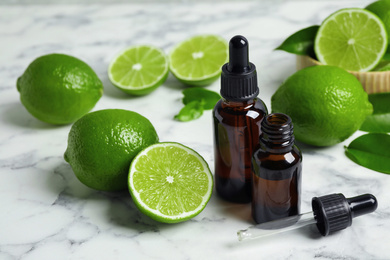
[379, 121]
[371, 151]
[190, 111]
[383, 65]
[301, 42]
[387, 54]
[210, 98]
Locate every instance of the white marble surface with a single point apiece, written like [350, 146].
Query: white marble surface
[46, 213]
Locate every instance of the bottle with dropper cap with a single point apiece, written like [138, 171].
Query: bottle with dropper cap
[237, 123]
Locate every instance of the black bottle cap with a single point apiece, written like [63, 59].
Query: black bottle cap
[239, 77]
[334, 212]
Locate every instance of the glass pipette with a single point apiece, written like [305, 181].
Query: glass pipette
[330, 213]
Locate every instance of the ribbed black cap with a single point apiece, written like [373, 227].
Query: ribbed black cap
[334, 212]
[239, 77]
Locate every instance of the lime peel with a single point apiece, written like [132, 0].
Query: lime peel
[337, 99]
[59, 89]
[102, 144]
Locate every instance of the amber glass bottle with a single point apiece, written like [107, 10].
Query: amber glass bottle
[276, 166]
[237, 122]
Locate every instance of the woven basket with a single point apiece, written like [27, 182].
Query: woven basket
[372, 81]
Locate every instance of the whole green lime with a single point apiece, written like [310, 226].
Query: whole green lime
[59, 89]
[382, 9]
[102, 144]
[326, 104]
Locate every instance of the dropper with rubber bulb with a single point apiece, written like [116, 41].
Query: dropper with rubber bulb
[330, 213]
[239, 76]
[239, 56]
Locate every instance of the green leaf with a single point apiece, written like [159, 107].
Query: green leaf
[379, 121]
[371, 151]
[190, 111]
[383, 65]
[301, 42]
[210, 98]
[387, 54]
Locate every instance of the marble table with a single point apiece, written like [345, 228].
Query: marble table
[46, 213]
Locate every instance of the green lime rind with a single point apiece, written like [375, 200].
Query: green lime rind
[317, 99]
[102, 145]
[59, 89]
[189, 191]
[144, 91]
[354, 39]
[152, 70]
[197, 61]
[199, 83]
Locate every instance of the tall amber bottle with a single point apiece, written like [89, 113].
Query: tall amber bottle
[276, 164]
[237, 122]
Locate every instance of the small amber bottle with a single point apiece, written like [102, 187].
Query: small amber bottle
[276, 167]
[237, 121]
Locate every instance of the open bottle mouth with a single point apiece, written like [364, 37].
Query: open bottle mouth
[277, 131]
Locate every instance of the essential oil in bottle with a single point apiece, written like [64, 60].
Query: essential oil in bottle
[237, 121]
[276, 166]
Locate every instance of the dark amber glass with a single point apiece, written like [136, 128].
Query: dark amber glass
[236, 134]
[276, 166]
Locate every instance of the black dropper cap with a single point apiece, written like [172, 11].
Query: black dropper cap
[239, 77]
[335, 212]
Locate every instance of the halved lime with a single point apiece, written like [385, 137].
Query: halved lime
[382, 10]
[170, 182]
[353, 39]
[198, 60]
[139, 70]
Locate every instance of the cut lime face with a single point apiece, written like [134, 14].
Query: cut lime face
[170, 182]
[198, 60]
[382, 10]
[139, 70]
[353, 39]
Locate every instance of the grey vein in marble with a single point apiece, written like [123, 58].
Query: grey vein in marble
[46, 213]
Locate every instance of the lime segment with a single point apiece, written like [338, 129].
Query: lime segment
[353, 39]
[170, 182]
[198, 60]
[139, 70]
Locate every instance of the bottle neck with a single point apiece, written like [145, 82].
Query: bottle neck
[235, 103]
[277, 133]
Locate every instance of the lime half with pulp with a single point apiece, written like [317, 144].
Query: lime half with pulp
[353, 39]
[139, 70]
[170, 182]
[198, 60]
